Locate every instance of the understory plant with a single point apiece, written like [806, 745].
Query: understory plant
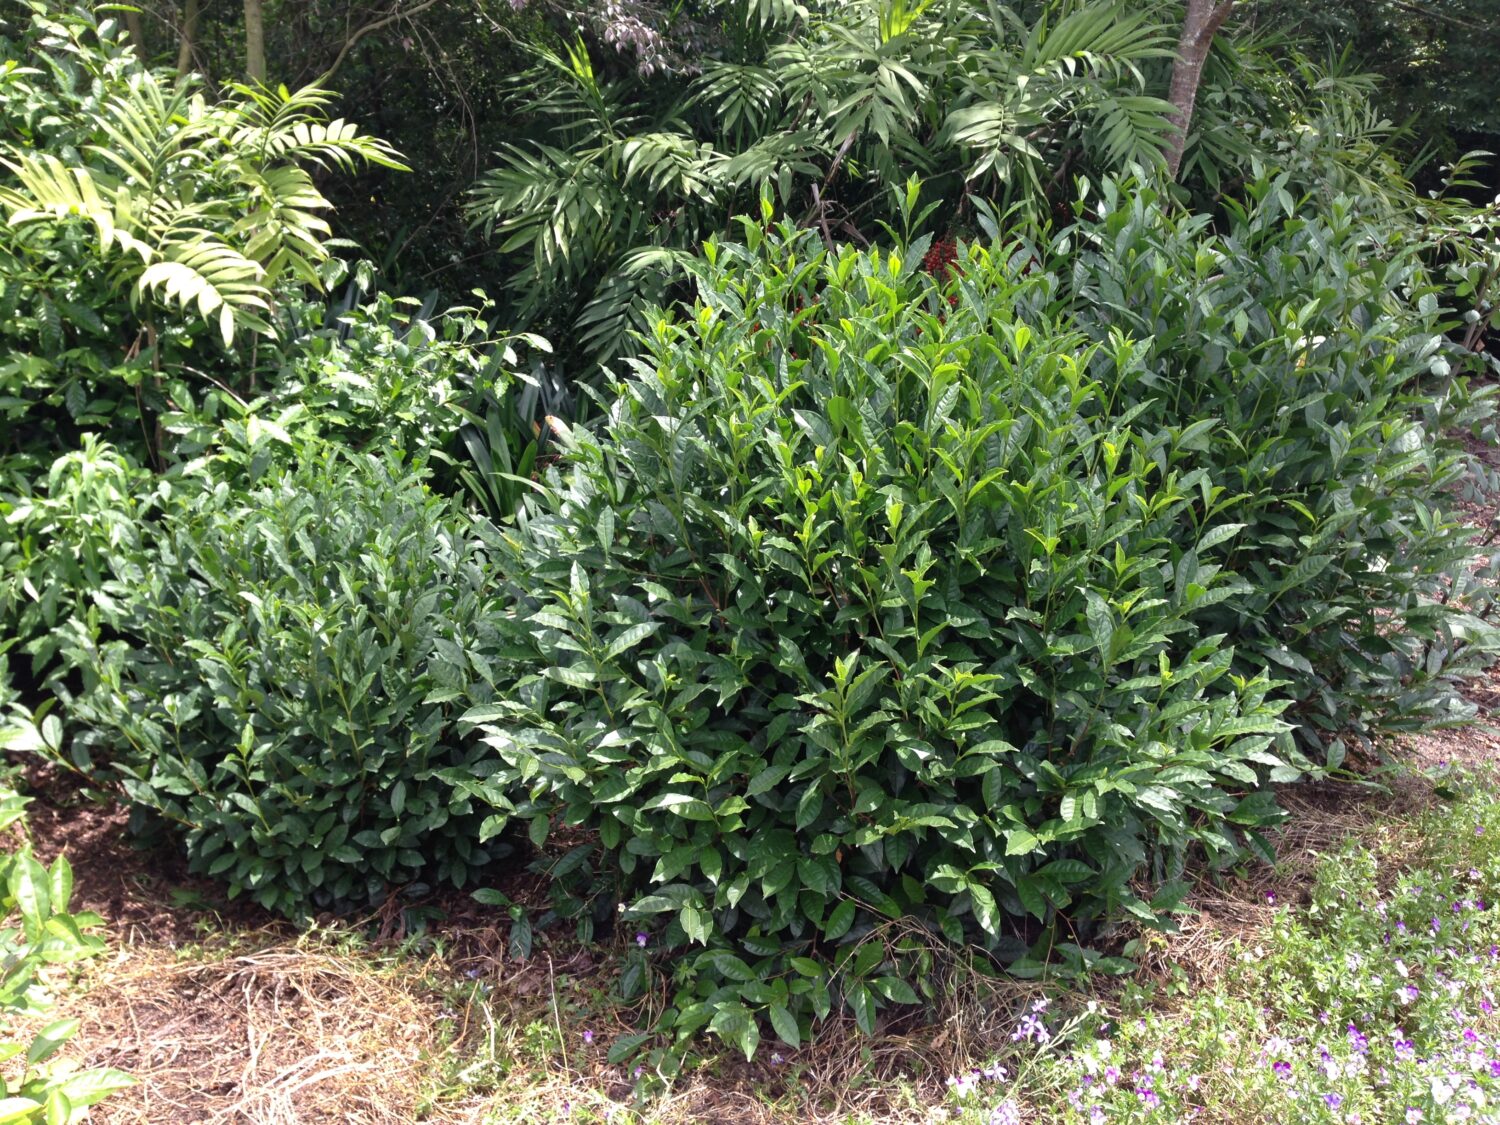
[280, 674]
[39, 935]
[910, 599]
[1376, 1002]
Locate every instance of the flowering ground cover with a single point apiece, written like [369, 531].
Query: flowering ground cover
[1373, 1002]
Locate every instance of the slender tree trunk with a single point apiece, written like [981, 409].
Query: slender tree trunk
[189, 37]
[1204, 19]
[255, 41]
[137, 35]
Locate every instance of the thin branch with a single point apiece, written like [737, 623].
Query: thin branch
[1427, 11]
[375, 25]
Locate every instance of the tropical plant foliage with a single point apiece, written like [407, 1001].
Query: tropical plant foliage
[825, 105]
[139, 212]
[1436, 59]
[830, 106]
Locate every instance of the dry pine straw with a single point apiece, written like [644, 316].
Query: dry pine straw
[287, 1034]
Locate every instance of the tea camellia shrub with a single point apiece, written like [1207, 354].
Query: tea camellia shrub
[1313, 352]
[290, 656]
[885, 606]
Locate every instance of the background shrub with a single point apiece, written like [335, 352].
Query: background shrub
[886, 602]
[292, 655]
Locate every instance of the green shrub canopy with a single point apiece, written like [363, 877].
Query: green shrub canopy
[886, 602]
[298, 649]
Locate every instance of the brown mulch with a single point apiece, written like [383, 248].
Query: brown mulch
[143, 892]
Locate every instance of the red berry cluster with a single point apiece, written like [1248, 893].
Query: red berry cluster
[941, 257]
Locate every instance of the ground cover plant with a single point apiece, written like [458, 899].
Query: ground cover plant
[1374, 1002]
[39, 936]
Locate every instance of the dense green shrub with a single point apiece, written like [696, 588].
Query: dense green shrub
[289, 662]
[392, 374]
[59, 533]
[1314, 354]
[885, 603]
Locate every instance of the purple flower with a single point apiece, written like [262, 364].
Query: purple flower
[1148, 1097]
[1111, 1074]
[1031, 1027]
[1332, 1101]
[1470, 1035]
[1006, 1113]
[641, 939]
[1357, 1041]
[1407, 993]
[962, 1085]
[1405, 1051]
[1282, 1068]
[1096, 1114]
[588, 1036]
[1271, 897]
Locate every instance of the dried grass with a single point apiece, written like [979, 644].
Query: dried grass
[284, 1035]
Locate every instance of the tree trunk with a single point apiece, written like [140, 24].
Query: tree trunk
[255, 41]
[136, 35]
[189, 37]
[1203, 21]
